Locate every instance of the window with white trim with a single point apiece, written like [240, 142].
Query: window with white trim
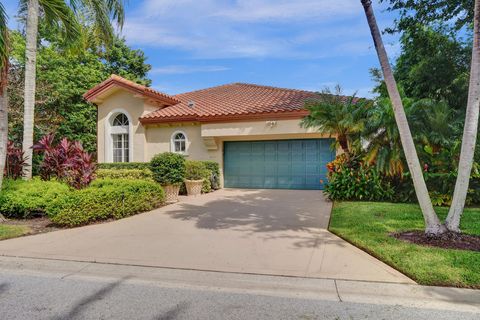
[120, 138]
[179, 142]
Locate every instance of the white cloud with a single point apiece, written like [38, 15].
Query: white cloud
[255, 10]
[181, 69]
[220, 29]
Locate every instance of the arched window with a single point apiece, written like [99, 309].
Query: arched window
[179, 142]
[120, 138]
[120, 120]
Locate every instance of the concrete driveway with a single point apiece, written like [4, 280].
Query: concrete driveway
[277, 232]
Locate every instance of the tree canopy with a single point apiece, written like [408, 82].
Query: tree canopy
[455, 13]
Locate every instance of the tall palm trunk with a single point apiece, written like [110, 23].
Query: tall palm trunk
[3, 127]
[30, 76]
[469, 131]
[432, 223]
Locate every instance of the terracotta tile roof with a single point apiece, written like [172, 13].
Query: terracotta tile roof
[234, 101]
[118, 81]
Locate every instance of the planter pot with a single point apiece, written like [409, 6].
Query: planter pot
[171, 193]
[194, 187]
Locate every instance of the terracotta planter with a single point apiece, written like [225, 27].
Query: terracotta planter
[194, 187]
[171, 193]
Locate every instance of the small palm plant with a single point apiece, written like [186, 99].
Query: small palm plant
[338, 115]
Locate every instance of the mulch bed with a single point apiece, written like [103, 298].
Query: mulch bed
[36, 225]
[450, 240]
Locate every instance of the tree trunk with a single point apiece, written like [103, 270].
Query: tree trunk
[343, 141]
[432, 223]
[469, 132]
[30, 76]
[3, 131]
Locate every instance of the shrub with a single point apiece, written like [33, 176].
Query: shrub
[196, 170]
[440, 186]
[26, 199]
[168, 168]
[105, 199]
[132, 174]
[66, 161]
[124, 165]
[356, 181]
[214, 168]
[15, 162]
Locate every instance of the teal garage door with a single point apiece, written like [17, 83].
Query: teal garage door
[279, 164]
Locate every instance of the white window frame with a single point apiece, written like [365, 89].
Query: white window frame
[172, 142]
[110, 130]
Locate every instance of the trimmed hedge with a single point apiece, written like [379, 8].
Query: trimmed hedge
[124, 165]
[105, 199]
[168, 168]
[133, 174]
[113, 173]
[26, 199]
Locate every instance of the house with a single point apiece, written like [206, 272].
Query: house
[252, 131]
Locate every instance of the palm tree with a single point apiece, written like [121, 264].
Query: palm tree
[4, 49]
[432, 223]
[57, 13]
[383, 147]
[469, 132]
[337, 115]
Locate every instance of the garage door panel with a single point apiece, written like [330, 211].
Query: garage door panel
[288, 164]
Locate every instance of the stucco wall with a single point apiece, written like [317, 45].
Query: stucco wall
[159, 137]
[205, 141]
[135, 107]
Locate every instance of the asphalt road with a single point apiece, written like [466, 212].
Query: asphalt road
[26, 293]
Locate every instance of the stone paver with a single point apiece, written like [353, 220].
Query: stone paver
[277, 232]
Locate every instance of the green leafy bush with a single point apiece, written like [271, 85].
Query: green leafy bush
[196, 170]
[357, 181]
[124, 165]
[133, 174]
[26, 199]
[168, 168]
[440, 187]
[214, 168]
[105, 199]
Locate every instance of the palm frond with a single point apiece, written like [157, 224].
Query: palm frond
[59, 15]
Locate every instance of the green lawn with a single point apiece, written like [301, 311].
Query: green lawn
[11, 231]
[368, 224]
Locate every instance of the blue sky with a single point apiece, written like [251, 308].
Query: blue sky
[303, 44]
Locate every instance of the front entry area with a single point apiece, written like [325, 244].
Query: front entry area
[277, 164]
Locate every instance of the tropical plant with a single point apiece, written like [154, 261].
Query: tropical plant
[383, 146]
[432, 223]
[337, 115]
[14, 168]
[65, 161]
[64, 17]
[355, 180]
[168, 168]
